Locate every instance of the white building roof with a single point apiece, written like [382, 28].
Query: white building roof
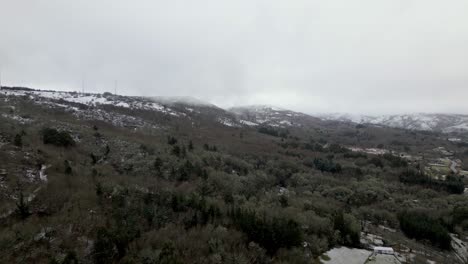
[383, 249]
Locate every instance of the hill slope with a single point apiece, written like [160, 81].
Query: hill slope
[272, 116]
[101, 178]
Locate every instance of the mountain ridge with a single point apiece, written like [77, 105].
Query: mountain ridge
[438, 122]
[249, 115]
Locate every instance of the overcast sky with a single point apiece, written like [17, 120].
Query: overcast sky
[362, 56]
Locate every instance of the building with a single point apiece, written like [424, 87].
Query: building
[384, 250]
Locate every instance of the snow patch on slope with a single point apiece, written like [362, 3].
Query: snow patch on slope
[94, 100]
[91, 111]
[248, 123]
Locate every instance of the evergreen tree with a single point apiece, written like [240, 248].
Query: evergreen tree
[22, 208]
[103, 250]
[190, 145]
[18, 141]
[158, 163]
[68, 168]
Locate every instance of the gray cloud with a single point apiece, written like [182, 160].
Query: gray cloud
[364, 56]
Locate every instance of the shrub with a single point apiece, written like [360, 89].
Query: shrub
[22, 208]
[460, 215]
[337, 148]
[18, 141]
[376, 161]
[158, 163]
[313, 147]
[171, 140]
[395, 161]
[349, 229]
[190, 145]
[326, 165]
[103, 250]
[176, 150]
[58, 138]
[68, 168]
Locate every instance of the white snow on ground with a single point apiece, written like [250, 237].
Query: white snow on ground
[20, 119]
[460, 248]
[460, 127]
[30, 175]
[373, 151]
[55, 99]
[248, 123]
[228, 122]
[42, 173]
[114, 118]
[344, 255]
[95, 100]
[123, 104]
[266, 115]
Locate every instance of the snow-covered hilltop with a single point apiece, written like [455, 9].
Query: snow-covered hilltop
[106, 106]
[90, 99]
[428, 122]
[188, 100]
[269, 115]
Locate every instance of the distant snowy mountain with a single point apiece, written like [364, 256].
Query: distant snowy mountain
[269, 115]
[428, 122]
[106, 107]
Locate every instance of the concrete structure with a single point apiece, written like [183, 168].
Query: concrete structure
[384, 250]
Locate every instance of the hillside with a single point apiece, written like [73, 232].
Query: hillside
[271, 116]
[103, 178]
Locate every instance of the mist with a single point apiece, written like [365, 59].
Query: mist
[369, 57]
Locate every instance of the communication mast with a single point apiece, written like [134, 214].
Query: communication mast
[0, 77]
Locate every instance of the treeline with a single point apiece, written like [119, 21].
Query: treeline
[419, 225]
[275, 132]
[452, 184]
[133, 213]
[349, 231]
[272, 233]
[395, 161]
[324, 165]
